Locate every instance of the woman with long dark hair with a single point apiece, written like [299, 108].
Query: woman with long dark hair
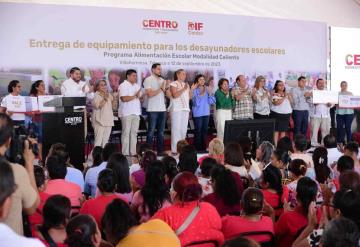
[226, 196]
[137, 178]
[206, 224]
[119, 164]
[82, 231]
[154, 195]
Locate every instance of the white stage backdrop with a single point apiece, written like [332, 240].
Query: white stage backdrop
[345, 58]
[44, 41]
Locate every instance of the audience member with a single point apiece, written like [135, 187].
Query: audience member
[188, 159]
[82, 231]
[333, 152]
[352, 150]
[207, 166]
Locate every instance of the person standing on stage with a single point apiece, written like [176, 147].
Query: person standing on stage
[114, 78]
[320, 117]
[261, 99]
[14, 89]
[102, 114]
[223, 106]
[301, 96]
[243, 103]
[344, 116]
[280, 110]
[155, 87]
[129, 112]
[179, 108]
[74, 86]
[202, 99]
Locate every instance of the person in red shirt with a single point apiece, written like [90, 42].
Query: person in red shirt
[226, 196]
[36, 218]
[106, 185]
[205, 226]
[56, 214]
[292, 222]
[57, 185]
[251, 220]
[275, 194]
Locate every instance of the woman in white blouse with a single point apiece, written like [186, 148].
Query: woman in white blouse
[280, 110]
[179, 108]
[102, 114]
[261, 99]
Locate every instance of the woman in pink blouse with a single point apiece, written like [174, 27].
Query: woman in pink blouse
[206, 224]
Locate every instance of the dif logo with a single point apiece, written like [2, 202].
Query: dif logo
[352, 59]
[195, 28]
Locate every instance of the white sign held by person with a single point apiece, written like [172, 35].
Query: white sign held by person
[325, 96]
[349, 101]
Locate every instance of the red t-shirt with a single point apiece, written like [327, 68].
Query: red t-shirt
[37, 235]
[233, 226]
[220, 205]
[288, 226]
[65, 188]
[205, 226]
[96, 207]
[273, 199]
[36, 218]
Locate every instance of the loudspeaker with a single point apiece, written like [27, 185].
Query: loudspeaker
[67, 128]
[258, 130]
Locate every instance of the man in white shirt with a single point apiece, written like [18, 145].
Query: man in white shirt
[14, 89]
[320, 117]
[129, 112]
[155, 87]
[7, 187]
[74, 86]
[333, 152]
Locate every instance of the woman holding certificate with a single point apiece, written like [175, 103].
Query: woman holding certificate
[344, 118]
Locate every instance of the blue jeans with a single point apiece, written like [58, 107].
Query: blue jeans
[301, 121]
[201, 129]
[344, 125]
[156, 120]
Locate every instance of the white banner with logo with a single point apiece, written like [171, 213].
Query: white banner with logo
[349, 101]
[44, 41]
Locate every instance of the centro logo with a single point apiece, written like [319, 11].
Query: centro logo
[352, 61]
[195, 28]
[161, 25]
[73, 120]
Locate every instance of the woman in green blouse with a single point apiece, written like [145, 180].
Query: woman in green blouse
[223, 106]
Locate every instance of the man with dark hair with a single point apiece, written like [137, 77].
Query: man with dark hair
[25, 198]
[57, 184]
[7, 188]
[352, 150]
[92, 174]
[301, 96]
[333, 153]
[129, 112]
[74, 86]
[155, 87]
[320, 117]
[340, 232]
[14, 89]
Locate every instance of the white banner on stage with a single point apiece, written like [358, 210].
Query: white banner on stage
[349, 101]
[104, 42]
[325, 96]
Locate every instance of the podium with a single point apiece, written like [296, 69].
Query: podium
[66, 126]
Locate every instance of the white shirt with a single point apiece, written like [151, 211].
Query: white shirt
[333, 155]
[320, 111]
[91, 178]
[180, 103]
[75, 175]
[9, 238]
[132, 107]
[261, 106]
[15, 116]
[70, 88]
[283, 108]
[155, 103]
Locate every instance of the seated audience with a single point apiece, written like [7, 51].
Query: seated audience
[216, 151]
[188, 159]
[297, 170]
[82, 231]
[137, 178]
[94, 159]
[333, 152]
[93, 173]
[350, 180]
[285, 144]
[57, 185]
[251, 220]
[251, 165]
[119, 164]
[205, 177]
[36, 217]
[352, 150]
[206, 224]
[56, 214]
[136, 160]
[8, 237]
[263, 153]
[171, 169]
[25, 198]
[123, 230]
[241, 242]
[234, 159]
[341, 232]
[275, 194]
[154, 195]
[226, 196]
[72, 174]
[345, 163]
[300, 146]
[96, 206]
[290, 222]
[281, 160]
